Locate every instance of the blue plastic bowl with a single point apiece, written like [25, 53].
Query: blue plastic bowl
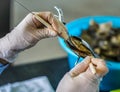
[112, 79]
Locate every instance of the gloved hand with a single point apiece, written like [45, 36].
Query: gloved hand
[81, 78]
[27, 34]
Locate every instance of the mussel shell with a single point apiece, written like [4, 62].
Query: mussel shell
[78, 47]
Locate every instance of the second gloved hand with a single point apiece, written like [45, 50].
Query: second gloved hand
[81, 78]
[27, 33]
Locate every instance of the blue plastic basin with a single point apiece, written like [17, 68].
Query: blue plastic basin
[112, 79]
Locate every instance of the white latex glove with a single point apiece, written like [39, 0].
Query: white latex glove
[81, 78]
[27, 34]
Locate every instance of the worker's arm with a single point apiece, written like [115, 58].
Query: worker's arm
[26, 34]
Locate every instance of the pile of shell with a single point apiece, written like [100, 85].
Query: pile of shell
[104, 39]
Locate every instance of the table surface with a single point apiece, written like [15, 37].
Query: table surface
[53, 69]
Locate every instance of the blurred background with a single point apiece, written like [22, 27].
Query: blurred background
[72, 9]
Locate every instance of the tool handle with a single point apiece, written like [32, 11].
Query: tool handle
[42, 21]
[62, 34]
[92, 68]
